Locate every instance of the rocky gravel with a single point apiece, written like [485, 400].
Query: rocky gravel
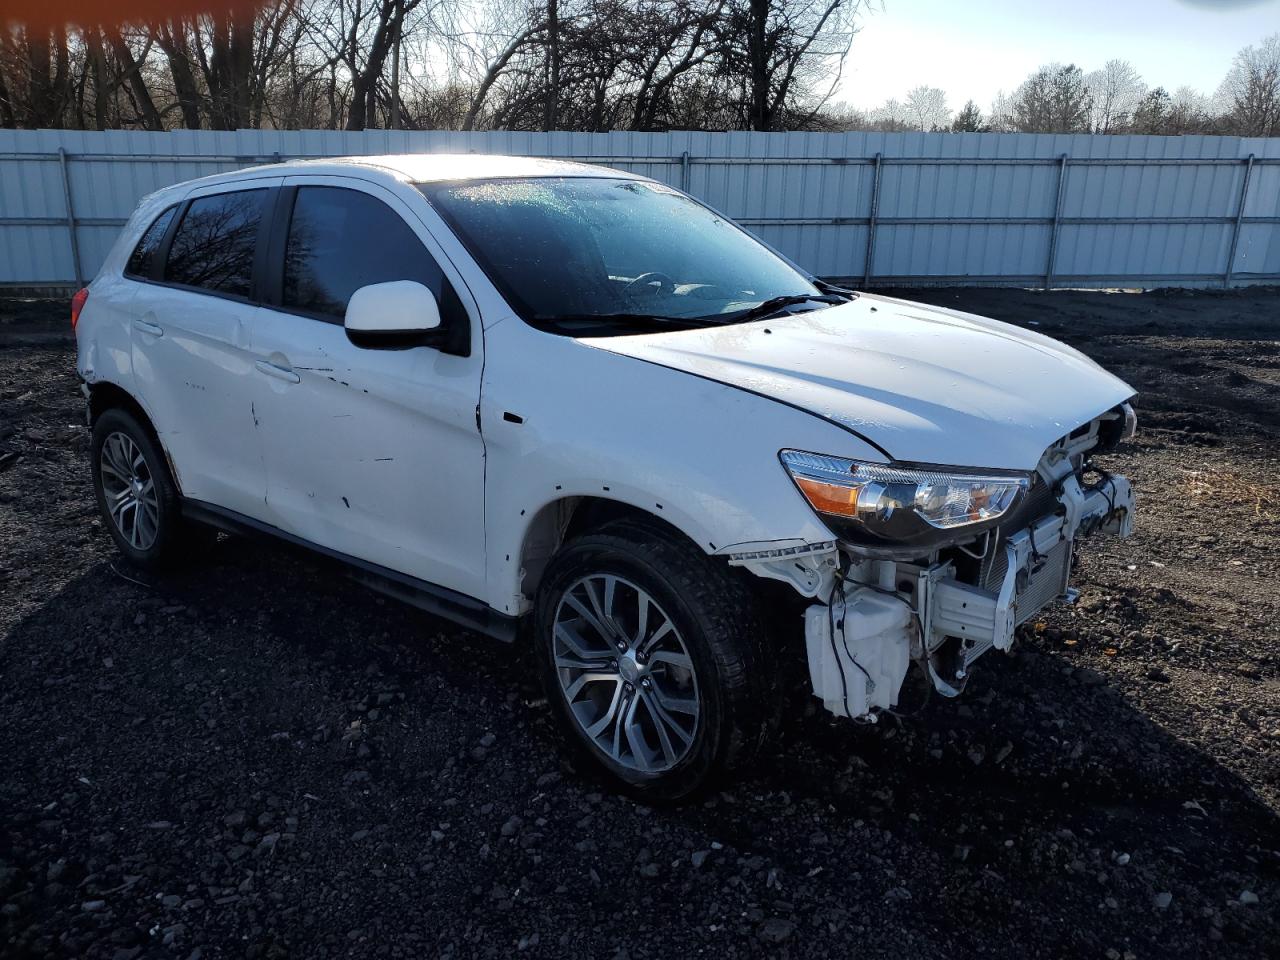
[255, 757]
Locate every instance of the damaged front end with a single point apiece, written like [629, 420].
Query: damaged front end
[1001, 550]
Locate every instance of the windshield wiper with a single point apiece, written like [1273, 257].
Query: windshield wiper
[643, 319]
[835, 290]
[758, 312]
[771, 306]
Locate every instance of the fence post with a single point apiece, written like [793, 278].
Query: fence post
[1235, 230]
[871, 221]
[684, 171]
[71, 216]
[1057, 218]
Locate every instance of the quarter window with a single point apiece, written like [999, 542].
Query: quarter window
[144, 254]
[341, 240]
[214, 246]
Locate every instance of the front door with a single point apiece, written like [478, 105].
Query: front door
[374, 453]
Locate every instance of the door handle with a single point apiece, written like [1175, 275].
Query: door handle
[280, 373]
[146, 326]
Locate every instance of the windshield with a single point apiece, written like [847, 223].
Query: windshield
[589, 256]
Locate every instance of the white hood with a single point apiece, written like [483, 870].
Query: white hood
[925, 384]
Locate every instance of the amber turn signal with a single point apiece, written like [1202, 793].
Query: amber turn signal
[838, 499]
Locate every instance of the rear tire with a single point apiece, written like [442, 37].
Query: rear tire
[662, 702]
[139, 502]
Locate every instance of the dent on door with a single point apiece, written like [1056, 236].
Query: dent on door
[373, 453]
[193, 367]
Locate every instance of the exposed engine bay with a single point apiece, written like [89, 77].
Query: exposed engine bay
[877, 614]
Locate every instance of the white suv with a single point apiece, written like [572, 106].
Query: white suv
[558, 400]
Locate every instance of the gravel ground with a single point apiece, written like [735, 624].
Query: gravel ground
[258, 758]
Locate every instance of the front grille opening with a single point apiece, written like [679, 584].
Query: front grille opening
[1037, 502]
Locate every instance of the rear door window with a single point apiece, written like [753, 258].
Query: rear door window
[144, 254]
[341, 240]
[214, 246]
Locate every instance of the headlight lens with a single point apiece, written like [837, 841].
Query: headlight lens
[896, 505]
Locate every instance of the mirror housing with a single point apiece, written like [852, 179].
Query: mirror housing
[395, 315]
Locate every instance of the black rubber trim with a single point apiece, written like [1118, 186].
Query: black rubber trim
[161, 258]
[272, 283]
[441, 601]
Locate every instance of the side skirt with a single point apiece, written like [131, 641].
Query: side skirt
[441, 601]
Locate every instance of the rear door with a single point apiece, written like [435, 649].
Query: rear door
[191, 343]
[374, 453]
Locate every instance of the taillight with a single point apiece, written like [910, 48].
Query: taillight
[77, 304]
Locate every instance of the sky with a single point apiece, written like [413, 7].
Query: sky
[975, 48]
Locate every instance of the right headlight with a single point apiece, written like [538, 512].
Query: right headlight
[898, 507]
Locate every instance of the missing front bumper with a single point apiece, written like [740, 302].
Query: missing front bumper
[885, 614]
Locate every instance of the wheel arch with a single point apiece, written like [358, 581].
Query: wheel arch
[105, 395]
[560, 520]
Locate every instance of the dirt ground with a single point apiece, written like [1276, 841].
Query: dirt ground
[258, 758]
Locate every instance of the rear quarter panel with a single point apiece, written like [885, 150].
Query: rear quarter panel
[104, 333]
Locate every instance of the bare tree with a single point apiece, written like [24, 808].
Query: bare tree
[1183, 112]
[927, 109]
[48, 76]
[551, 93]
[843, 116]
[683, 42]
[355, 39]
[781, 48]
[531, 64]
[1054, 99]
[1251, 90]
[97, 77]
[541, 64]
[653, 64]
[131, 72]
[520, 64]
[891, 117]
[1000, 117]
[175, 38]
[495, 68]
[1115, 92]
[1190, 112]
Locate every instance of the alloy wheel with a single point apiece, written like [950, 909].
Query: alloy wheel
[626, 674]
[130, 491]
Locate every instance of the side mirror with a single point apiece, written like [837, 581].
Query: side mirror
[396, 314]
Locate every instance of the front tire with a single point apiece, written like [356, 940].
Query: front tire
[654, 659]
[138, 500]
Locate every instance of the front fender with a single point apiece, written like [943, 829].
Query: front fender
[563, 419]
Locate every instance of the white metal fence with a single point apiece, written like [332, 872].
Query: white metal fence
[878, 209]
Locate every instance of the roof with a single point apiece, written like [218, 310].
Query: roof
[425, 167]
[422, 167]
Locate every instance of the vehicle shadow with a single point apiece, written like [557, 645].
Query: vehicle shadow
[1013, 798]
[1030, 724]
